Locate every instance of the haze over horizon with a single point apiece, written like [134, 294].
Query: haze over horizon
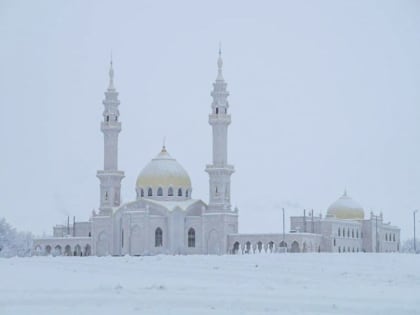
[324, 95]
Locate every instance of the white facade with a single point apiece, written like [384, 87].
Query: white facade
[164, 219]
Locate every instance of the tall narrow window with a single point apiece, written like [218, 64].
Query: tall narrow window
[170, 191]
[106, 195]
[191, 237]
[186, 193]
[180, 192]
[160, 191]
[107, 118]
[142, 192]
[352, 233]
[122, 238]
[217, 110]
[348, 232]
[158, 237]
[149, 192]
[339, 232]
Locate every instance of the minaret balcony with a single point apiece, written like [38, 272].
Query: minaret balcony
[219, 119]
[111, 125]
[220, 169]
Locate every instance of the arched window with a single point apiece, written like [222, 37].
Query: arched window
[344, 249]
[142, 192]
[352, 233]
[339, 249]
[160, 191]
[386, 237]
[186, 193]
[191, 237]
[339, 232]
[393, 237]
[348, 232]
[106, 195]
[180, 192]
[334, 242]
[170, 191]
[217, 110]
[158, 237]
[149, 192]
[357, 233]
[107, 118]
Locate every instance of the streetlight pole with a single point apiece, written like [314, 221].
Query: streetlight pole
[414, 221]
[283, 227]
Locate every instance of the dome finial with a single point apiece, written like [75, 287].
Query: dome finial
[163, 144]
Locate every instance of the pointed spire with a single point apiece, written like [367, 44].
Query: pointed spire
[220, 63]
[111, 76]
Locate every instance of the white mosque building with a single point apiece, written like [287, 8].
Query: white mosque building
[165, 219]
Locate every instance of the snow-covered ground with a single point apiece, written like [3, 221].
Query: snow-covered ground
[248, 284]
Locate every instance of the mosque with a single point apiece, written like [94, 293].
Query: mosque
[165, 219]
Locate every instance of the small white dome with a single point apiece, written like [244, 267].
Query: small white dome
[166, 178]
[346, 208]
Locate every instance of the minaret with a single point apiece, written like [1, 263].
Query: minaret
[220, 171]
[110, 177]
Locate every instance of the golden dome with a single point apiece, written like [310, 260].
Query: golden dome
[346, 208]
[164, 172]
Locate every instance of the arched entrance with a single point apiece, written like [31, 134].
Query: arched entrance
[67, 251]
[235, 248]
[48, 250]
[57, 250]
[295, 247]
[77, 250]
[87, 251]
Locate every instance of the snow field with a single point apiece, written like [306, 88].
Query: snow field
[245, 284]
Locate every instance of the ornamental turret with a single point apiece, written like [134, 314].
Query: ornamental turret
[110, 177]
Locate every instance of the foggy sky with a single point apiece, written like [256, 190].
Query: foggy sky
[324, 95]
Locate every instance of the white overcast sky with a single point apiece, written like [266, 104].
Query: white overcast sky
[324, 95]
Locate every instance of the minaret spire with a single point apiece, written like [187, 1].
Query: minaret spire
[220, 171]
[110, 177]
[219, 206]
[220, 63]
[111, 76]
